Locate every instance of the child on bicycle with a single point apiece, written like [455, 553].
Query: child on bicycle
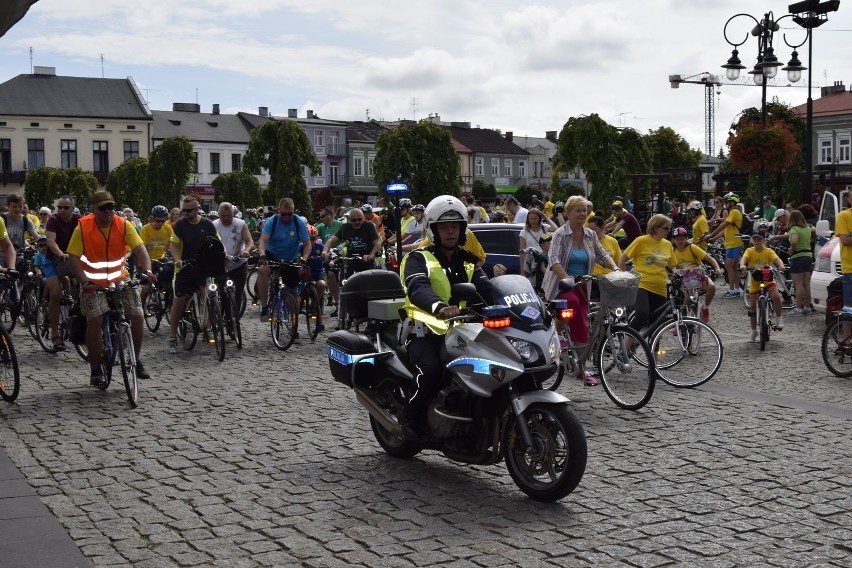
[317, 266]
[691, 259]
[757, 256]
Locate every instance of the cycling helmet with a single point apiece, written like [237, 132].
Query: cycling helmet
[696, 206]
[679, 232]
[497, 217]
[405, 202]
[443, 209]
[731, 196]
[367, 208]
[762, 224]
[159, 211]
[418, 207]
[312, 231]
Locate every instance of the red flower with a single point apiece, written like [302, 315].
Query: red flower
[753, 146]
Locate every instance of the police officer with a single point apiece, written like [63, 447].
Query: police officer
[428, 275]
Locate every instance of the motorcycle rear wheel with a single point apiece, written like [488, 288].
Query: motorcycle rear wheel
[554, 467]
[393, 445]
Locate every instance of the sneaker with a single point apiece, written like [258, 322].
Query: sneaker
[264, 315]
[588, 379]
[333, 314]
[172, 345]
[97, 378]
[753, 335]
[141, 372]
[320, 328]
[732, 294]
[563, 343]
[846, 310]
[779, 323]
[705, 314]
[806, 310]
[797, 312]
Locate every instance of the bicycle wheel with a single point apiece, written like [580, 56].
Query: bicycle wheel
[217, 328]
[312, 309]
[7, 306]
[677, 364]
[251, 284]
[42, 325]
[153, 309]
[30, 309]
[187, 331]
[284, 317]
[127, 358]
[232, 322]
[627, 382]
[762, 321]
[10, 377]
[837, 347]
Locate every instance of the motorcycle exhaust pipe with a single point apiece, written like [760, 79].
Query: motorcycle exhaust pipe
[384, 417]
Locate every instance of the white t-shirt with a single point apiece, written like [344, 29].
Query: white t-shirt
[232, 239]
[520, 216]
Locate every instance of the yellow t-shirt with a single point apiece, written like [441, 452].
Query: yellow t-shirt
[3, 233]
[843, 226]
[34, 218]
[471, 244]
[588, 218]
[548, 208]
[131, 238]
[732, 231]
[691, 256]
[650, 259]
[610, 245]
[156, 240]
[753, 259]
[700, 228]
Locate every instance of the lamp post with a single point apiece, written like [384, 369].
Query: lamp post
[810, 14]
[766, 67]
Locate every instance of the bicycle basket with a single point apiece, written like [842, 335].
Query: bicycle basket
[692, 277]
[762, 275]
[618, 289]
[290, 275]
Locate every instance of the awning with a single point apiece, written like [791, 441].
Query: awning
[507, 189]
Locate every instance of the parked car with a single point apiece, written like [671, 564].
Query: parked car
[501, 244]
[827, 253]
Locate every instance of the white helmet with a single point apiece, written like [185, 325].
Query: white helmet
[441, 209]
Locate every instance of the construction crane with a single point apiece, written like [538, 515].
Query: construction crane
[715, 82]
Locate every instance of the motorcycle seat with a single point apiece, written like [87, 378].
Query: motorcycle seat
[389, 339]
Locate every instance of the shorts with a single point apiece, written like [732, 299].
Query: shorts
[48, 269]
[187, 281]
[847, 289]
[754, 287]
[733, 253]
[95, 304]
[801, 264]
[317, 277]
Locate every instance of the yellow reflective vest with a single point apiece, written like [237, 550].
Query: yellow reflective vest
[440, 284]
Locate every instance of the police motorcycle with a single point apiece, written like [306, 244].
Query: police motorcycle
[491, 406]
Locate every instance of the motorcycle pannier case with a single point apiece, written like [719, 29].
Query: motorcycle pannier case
[342, 348]
[369, 285]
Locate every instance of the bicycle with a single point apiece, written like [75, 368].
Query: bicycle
[230, 318]
[765, 316]
[615, 348]
[201, 314]
[251, 277]
[310, 304]
[836, 345]
[342, 264]
[158, 304]
[9, 300]
[118, 341]
[283, 305]
[40, 328]
[10, 377]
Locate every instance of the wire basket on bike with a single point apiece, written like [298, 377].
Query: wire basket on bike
[618, 289]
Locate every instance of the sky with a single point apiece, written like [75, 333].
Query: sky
[504, 64]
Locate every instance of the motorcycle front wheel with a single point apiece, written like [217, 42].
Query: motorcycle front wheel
[553, 467]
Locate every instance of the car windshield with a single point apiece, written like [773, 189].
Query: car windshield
[498, 242]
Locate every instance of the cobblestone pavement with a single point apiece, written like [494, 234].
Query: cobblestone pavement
[263, 460]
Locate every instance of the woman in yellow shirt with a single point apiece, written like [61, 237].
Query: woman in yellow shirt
[700, 226]
[652, 254]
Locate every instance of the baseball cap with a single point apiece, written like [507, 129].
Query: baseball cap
[101, 198]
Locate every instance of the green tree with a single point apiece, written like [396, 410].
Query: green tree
[669, 150]
[78, 184]
[484, 191]
[422, 155]
[563, 192]
[38, 190]
[525, 194]
[239, 188]
[605, 154]
[128, 184]
[283, 149]
[170, 166]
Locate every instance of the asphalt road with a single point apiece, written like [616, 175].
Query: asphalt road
[264, 460]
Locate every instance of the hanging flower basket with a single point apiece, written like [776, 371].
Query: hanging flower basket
[754, 145]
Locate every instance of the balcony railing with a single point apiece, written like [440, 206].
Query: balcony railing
[13, 177]
[335, 150]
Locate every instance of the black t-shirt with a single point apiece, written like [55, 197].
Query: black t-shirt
[193, 236]
[357, 241]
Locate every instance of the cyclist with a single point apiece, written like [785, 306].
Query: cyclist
[97, 257]
[759, 255]
[317, 266]
[609, 244]
[700, 226]
[372, 217]
[691, 257]
[39, 260]
[236, 237]
[188, 237]
[626, 221]
[283, 237]
[60, 227]
[730, 227]
[19, 228]
[428, 274]
[327, 227]
[156, 236]
[360, 237]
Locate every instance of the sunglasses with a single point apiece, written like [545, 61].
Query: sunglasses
[188, 211]
[60, 207]
[107, 207]
[285, 215]
[159, 221]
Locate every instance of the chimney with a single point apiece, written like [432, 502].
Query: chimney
[291, 113]
[550, 135]
[186, 107]
[838, 87]
[39, 70]
[311, 114]
[509, 136]
[263, 111]
[215, 108]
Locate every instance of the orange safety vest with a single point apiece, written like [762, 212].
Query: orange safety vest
[104, 256]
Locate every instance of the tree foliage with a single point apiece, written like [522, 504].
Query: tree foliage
[45, 185]
[128, 184]
[605, 154]
[484, 191]
[80, 185]
[283, 149]
[239, 188]
[422, 155]
[669, 150]
[170, 166]
[37, 189]
[525, 194]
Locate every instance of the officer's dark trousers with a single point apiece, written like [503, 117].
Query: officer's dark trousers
[424, 354]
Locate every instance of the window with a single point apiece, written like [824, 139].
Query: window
[479, 167]
[215, 168]
[843, 154]
[319, 139]
[100, 156]
[538, 169]
[131, 149]
[522, 168]
[370, 166]
[321, 171]
[5, 154]
[358, 167]
[68, 151]
[507, 168]
[195, 162]
[131, 127]
[333, 174]
[34, 125]
[495, 167]
[67, 125]
[333, 139]
[825, 151]
[236, 162]
[35, 153]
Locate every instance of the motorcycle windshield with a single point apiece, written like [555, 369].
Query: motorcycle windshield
[516, 292]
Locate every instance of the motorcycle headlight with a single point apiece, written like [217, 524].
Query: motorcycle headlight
[553, 349]
[524, 348]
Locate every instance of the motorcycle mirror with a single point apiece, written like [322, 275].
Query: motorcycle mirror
[566, 284]
[462, 291]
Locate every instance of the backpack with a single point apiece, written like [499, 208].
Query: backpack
[748, 225]
[211, 258]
